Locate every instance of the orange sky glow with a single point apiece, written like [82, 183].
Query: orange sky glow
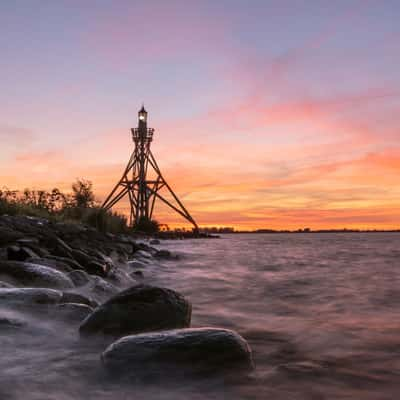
[258, 128]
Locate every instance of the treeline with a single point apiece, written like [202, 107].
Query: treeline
[79, 205]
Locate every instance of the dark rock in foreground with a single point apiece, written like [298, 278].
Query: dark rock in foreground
[29, 274]
[138, 309]
[184, 351]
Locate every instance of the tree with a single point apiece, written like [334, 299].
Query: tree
[82, 195]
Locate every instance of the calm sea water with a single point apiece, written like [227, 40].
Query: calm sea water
[320, 311]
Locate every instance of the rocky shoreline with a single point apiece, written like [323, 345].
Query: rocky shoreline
[95, 282]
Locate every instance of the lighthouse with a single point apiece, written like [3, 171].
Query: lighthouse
[142, 180]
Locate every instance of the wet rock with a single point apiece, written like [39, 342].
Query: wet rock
[72, 297]
[80, 278]
[51, 263]
[73, 311]
[143, 254]
[97, 268]
[136, 264]
[201, 350]
[163, 254]
[69, 261]
[5, 285]
[18, 253]
[102, 288]
[154, 242]
[137, 274]
[29, 296]
[10, 322]
[59, 247]
[140, 308]
[81, 257]
[33, 275]
[9, 235]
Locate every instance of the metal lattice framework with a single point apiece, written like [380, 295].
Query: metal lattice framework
[134, 182]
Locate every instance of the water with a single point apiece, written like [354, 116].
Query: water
[320, 311]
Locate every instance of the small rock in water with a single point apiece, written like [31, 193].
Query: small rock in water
[137, 274]
[140, 308]
[184, 351]
[34, 275]
[163, 254]
[154, 241]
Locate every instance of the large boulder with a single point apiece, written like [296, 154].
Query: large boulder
[199, 350]
[23, 273]
[29, 296]
[138, 309]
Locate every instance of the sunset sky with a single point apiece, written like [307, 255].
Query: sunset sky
[275, 114]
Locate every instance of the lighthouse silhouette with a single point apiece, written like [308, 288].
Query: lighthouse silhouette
[142, 180]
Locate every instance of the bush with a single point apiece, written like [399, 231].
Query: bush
[56, 205]
[147, 225]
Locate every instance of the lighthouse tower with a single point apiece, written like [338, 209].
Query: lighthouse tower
[142, 180]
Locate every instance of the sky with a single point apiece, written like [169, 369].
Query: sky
[267, 114]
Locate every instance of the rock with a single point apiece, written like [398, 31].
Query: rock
[81, 257]
[137, 274]
[72, 297]
[141, 308]
[163, 254]
[101, 287]
[183, 351]
[10, 322]
[8, 235]
[29, 296]
[136, 264]
[59, 247]
[69, 261]
[97, 268]
[5, 285]
[154, 242]
[52, 263]
[74, 311]
[80, 278]
[34, 275]
[143, 254]
[18, 253]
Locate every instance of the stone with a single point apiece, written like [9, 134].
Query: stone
[182, 351]
[8, 235]
[154, 242]
[10, 322]
[81, 257]
[137, 274]
[30, 296]
[5, 285]
[136, 264]
[18, 253]
[101, 287]
[97, 268]
[141, 308]
[80, 278]
[73, 311]
[163, 254]
[72, 297]
[143, 254]
[69, 261]
[33, 275]
[51, 263]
